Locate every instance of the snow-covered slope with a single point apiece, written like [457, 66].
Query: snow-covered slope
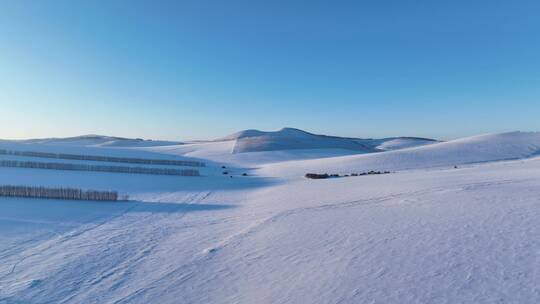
[221, 152]
[463, 235]
[253, 147]
[482, 148]
[451, 235]
[245, 148]
[396, 143]
[289, 139]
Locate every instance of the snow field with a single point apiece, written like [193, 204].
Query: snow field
[429, 233]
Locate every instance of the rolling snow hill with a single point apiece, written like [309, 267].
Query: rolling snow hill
[101, 141]
[253, 147]
[291, 138]
[483, 148]
[245, 148]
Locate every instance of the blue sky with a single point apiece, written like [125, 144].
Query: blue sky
[203, 69]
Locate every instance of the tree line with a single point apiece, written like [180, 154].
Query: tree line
[131, 160]
[98, 168]
[58, 193]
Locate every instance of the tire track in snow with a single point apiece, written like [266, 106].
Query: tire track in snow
[183, 273]
[326, 206]
[62, 239]
[133, 294]
[151, 241]
[154, 233]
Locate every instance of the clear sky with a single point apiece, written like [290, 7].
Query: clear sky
[203, 69]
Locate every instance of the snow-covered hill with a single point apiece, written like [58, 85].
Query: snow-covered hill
[290, 139]
[254, 147]
[101, 140]
[483, 148]
[244, 148]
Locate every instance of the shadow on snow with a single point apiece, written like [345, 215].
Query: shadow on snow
[35, 210]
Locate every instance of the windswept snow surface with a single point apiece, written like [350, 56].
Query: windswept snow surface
[483, 148]
[222, 152]
[437, 235]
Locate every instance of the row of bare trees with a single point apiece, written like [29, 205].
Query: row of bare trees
[131, 160]
[98, 168]
[58, 193]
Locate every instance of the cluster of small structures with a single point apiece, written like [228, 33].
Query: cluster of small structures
[326, 175]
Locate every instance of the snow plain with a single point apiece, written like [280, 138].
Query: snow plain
[428, 233]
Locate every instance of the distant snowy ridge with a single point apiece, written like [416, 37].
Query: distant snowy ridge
[289, 139]
[251, 140]
[483, 148]
[294, 139]
[101, 141]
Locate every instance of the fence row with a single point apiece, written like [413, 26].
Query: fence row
[98, 168]
[147, 161]
[58, 193]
